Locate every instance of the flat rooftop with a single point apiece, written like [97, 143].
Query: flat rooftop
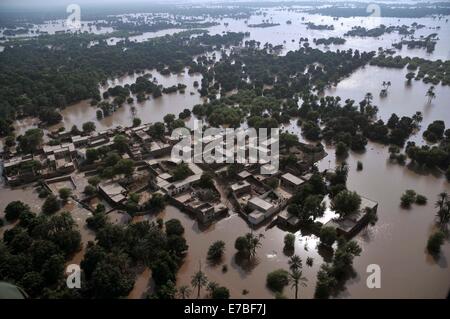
[261, 203]
[293, 179]
[239, 185]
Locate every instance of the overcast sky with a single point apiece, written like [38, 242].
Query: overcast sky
[91, 2]
[29, 4]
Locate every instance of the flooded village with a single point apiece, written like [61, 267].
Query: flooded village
[109, 162]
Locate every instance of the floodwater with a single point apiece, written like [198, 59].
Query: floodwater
[285, 33]
[396, 243]
[241, 276]
[54, 26]
[151, 110]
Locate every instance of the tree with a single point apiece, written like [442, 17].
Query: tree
[184, 292]
[216, 250]
[220, 293]
[166, 291]
[277, 280]
[53, 269]
[157, 92]
[434, 131]
[94, 181]
[443, 214]
[368, 98]
[346, 202]
[212, 285]
[177, 245]
[111, 280]
[157, 130]
[421, 200]
[92, 155]
[297, 279]
[430, 94]
[97, 221]
[295, 263]
[14, 209]
[31, 140]
[206, 181]
[88, 127]
[174, 227]
[169, 119]
[288, 139]
[289, 241]
[65, 193]
[178, 123]
[111, 159]
[341, 149]
[10, 141]
[248, 244]
[181, 172]
[74, 130]
[325, 282]
[241, 244]
[33, 283]
[121, 143]
[313, 207]
[254, 242]
[328, 236]
[359, 166]
[435, 242]
[164, 270]
[409, 76]
[408, 198]
[199, 280]
[124, 166]
[156, 202]
[51, 205]
[99, 114]
[136, 122]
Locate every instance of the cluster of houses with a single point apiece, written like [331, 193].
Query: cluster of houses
[257, 201]
[66, 151]
[142, 145]
[206, 205]
[256, 197]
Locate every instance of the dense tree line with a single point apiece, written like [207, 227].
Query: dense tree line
[433, 72]
[51, 72]
[33, 253]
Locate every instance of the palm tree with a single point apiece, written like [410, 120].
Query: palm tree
[430, 93]
[199, 280]
[184, 292]
[368, 98]
[418, 117]
[443, 205]
[444, 216]
[442, 199]
[295, 263]
[386, 85]
[254, 242]
[296, 279]
[211, 287]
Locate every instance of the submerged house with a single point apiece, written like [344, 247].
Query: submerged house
[264, 207]
[113, 193]
[291, 181]
[350, 225]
